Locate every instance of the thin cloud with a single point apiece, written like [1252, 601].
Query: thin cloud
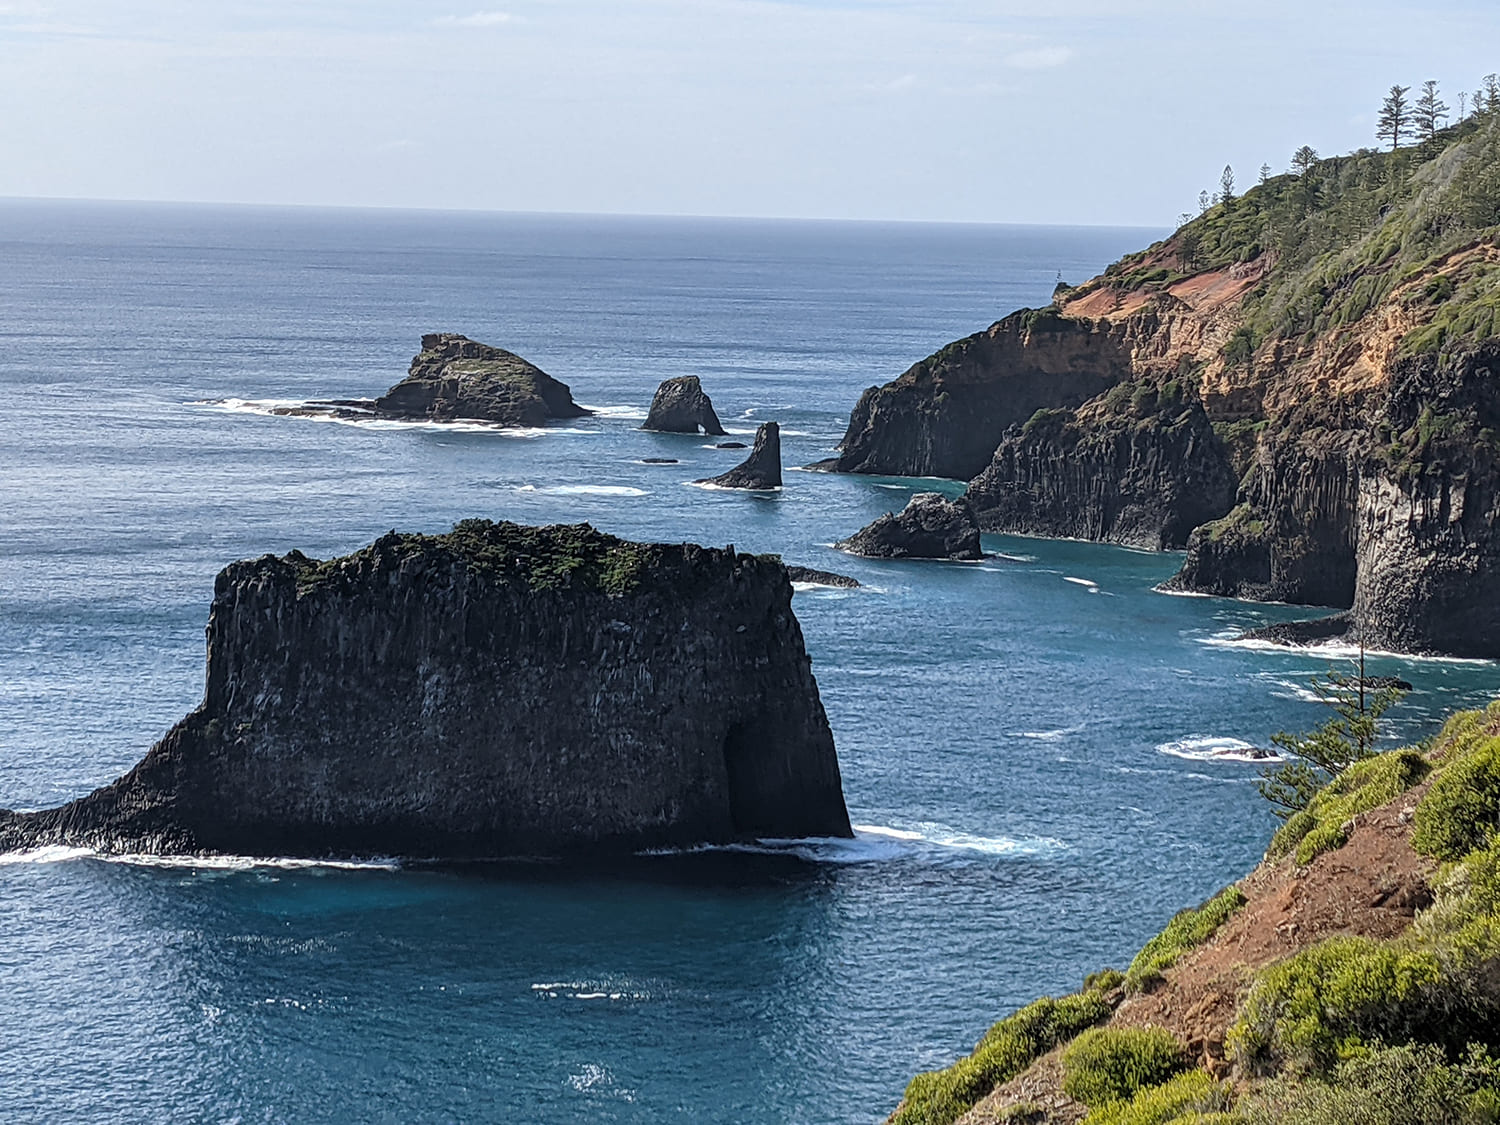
[1040, 58]
[477, 19]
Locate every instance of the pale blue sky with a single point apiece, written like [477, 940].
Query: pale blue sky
[1080, 111]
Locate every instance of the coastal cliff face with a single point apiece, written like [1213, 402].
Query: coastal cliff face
[1139, 466]
[455, 377]
[944, 416]
[1332, 338]
[496, 691]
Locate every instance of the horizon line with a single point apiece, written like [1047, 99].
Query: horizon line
[522, 212]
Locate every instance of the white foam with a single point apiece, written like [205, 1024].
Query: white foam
[712, 487]
[1334, 649]
[1181, 593]
[1217, 749]
[874, 843]
[1049, 735]
[1014, 558]
[61, 854]
[1093, 587]
[633, 413]
[583, 490]
[368, 420]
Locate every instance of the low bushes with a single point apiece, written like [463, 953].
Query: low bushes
[1191, 1098]
[1366, 785]
[1108, 1064]
[1187, 929]
[938, 1097]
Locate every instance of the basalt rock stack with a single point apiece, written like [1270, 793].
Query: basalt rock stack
[930, 527]
[680, 406]
[761, 471]
[495, 691]
[455, 378]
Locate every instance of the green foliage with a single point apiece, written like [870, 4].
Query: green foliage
[1364, 786]
[1241, 522]
[1105, 980]
[1046, 420]
[1461, 811]
[1190, 1097]
[1409, 1084]
[941, 1096]
[1241, 347]
[1110, 1064]
[1331, 748]
[1306, 1013]
[1187, 930]
[572, 556]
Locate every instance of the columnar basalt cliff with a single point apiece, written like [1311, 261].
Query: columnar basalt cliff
[1140, 466]
[680, 406]
[496, 691]
[1331, 338]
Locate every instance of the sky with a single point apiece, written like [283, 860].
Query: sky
[1072, 111]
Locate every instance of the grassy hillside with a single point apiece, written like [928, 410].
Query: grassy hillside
[1354, 977]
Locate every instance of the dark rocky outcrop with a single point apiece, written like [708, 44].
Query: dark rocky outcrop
[680, 406]
[761, 471]
[1133, 466]
[821, 577]
[945, 415]
[731, 445]
[453, 378]
[496, 691]
[930, 527]
[1318, 630]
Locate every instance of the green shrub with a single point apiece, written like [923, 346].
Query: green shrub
[1186, 930]
[1362, 787]
[1329, 1000]
[938, 1097]
[1462, 809]
[1110, 1064]
[1105, 980]
[1178, 1101]
[1406, 1085]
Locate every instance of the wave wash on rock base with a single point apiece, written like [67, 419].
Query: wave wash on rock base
[496, 691]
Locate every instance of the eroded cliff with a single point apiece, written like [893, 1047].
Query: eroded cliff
[496, 691]
[1331, 337]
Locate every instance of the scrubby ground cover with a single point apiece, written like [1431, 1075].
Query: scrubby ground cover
[1354, 977]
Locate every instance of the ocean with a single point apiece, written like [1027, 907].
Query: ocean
[1045, 758]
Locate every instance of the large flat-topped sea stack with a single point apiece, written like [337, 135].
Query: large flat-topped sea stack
[455, 377]
[496, 691]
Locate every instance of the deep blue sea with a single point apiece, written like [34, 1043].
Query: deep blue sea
[1028, 744]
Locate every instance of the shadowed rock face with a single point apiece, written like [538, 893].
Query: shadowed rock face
[456, 377]
[1123, 468]
[945, 416]
[496, 691]
[929, 527]
[814, 577]
[762, 469]
[680, 407]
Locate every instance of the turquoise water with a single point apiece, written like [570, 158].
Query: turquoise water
[1026, 743]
